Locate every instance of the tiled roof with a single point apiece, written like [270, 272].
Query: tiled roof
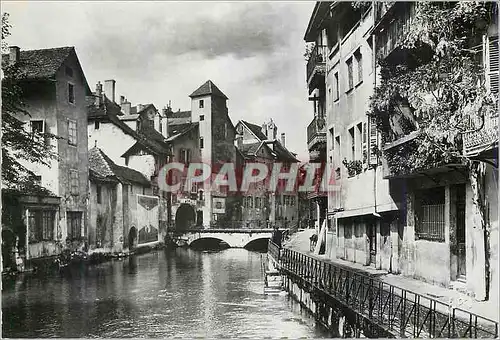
[43, 63]
[208, 88]
[102, 166]
[256, 130]
[179, 114]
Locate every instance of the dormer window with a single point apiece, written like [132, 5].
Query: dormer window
[201, 104]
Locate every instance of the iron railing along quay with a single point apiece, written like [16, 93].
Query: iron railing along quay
[397, 311]
[274, 250]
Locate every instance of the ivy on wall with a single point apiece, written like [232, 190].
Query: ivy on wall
[435, 86]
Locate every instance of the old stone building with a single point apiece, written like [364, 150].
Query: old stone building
[123, 211]
[262, 206]
[135, 144]
[53, 91]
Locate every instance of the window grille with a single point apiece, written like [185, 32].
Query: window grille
[430, 214]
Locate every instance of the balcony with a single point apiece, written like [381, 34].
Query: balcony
[390, 32]
[483, 140]
[316, 134]
[316, 65]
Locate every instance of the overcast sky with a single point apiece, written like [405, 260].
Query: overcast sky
[161, 51]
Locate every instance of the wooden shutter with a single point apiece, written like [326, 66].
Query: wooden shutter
[373, 140]
[365, 145]
[492, 66]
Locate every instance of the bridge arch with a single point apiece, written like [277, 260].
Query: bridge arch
[209, 242]
[185, 217]
[259, 242]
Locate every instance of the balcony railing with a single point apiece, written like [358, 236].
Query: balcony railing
[316, 62]
[316, 132]
[481, 136]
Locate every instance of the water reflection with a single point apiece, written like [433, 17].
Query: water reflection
[171, 293]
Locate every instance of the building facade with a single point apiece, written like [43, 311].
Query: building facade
[421, 223]
[54, 89]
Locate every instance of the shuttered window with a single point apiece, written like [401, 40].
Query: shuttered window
[493, 66]
[373, 141]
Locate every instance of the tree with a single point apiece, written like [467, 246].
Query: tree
[437, 89]
[20, 144]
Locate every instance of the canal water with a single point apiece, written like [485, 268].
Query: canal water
[168, 293]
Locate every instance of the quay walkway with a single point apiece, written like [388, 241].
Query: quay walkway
[377, 307]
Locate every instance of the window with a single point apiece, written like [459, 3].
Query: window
[71, 93]
[350, 79]
[330, 131]
[336, 89]
[430, 214]
[353, 145]
[202, 118]
[359, 63]
[72, 133]
[359, 140]
[201, 142]
[96, 125]
[182, 155]
[74, 223]
[201, 104]
[99, 194]
[257, 202]
[36, 126]
[69, 71]
[73, 182]
[41, 225]
[292, 201]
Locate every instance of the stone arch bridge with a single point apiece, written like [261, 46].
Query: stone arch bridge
[235, 238]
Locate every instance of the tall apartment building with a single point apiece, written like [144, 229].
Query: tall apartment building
[420, 223]
[362, 215]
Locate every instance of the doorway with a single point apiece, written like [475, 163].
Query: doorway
[372, 239]
[460, 237]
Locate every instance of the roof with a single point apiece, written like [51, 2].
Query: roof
[129, 117]
[206, 89]
[109, 111]
[180, 132]
[250, 149]
[320, 11]
[102, 167]
[179, 114]
[255, 129]
[44, 63]
[133, 109]
[280, 152]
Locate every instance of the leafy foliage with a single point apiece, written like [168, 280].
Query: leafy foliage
[20, 146]
[436, 87]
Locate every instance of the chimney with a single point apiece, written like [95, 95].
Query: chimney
[122, 99]
[98, 93]
[109, 89]
[13, 54]
[126, 107]
[264, 129]
[283, 140]
[139, 107]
